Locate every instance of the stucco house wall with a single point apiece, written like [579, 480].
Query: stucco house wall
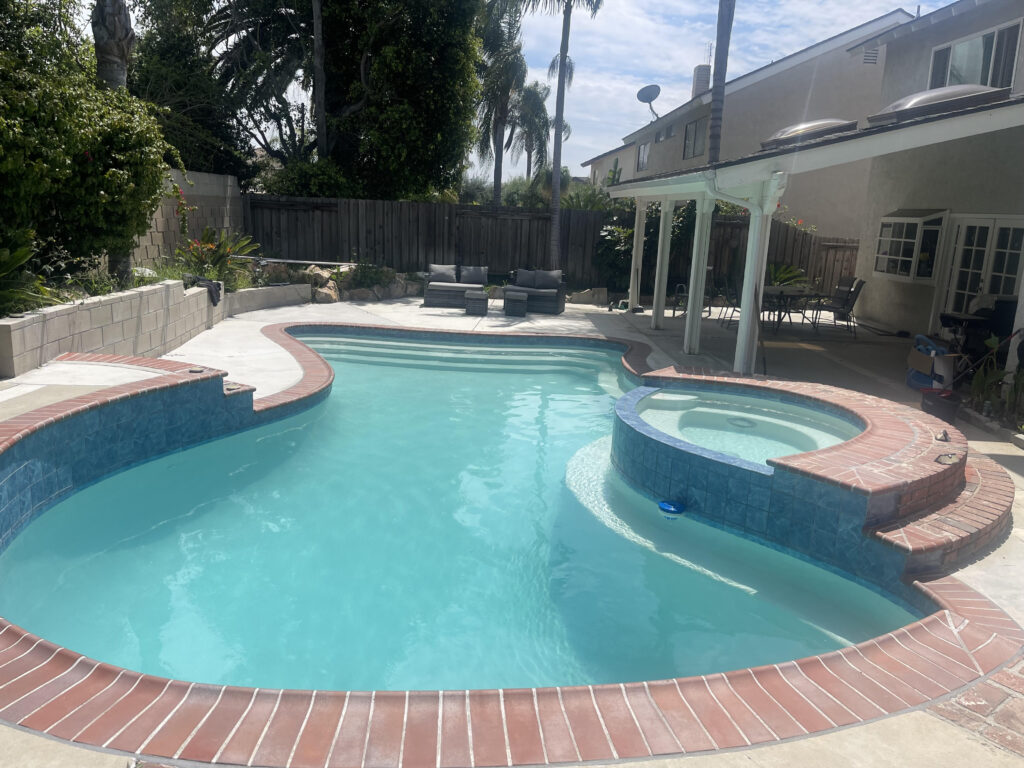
[834, 82]
[973, 177]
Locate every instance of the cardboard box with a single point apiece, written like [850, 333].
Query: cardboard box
[941, 368]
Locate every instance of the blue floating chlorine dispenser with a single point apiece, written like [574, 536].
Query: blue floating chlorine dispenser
[671, 510]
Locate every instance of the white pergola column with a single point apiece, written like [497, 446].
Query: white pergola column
[639, 225]
[661, 269]
[705, 207]
[753, 271]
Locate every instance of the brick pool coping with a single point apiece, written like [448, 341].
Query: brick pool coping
[55, 691]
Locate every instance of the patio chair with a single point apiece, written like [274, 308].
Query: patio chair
[840, 294]
[732, 304]
[841, 310]
[680, 297]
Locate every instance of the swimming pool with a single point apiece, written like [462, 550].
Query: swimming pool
[439, 544]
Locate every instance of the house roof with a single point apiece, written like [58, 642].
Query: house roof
[958, 8]
[735, 176]
[837, 42]
[606, 154]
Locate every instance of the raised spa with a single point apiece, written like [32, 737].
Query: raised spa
[448, 518]
[750, 427]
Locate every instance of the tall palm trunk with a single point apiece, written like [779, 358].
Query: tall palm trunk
[726, 9]
[114, 40]
[556, 151]
[323, 144]
[499, 154]
[529, 163]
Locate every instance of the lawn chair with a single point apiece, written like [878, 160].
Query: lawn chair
[841, 308]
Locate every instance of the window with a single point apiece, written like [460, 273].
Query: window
[670, 131]
[658, 137]
[642, 151]
[986, 59]
[693, 140]
[987, 259]
[908, 244]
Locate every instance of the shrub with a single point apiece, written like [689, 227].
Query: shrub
[19, 288]
[365, 275]
[81, 166]
[211, 256]
[302, 178]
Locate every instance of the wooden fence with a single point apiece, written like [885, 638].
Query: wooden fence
[409, 236]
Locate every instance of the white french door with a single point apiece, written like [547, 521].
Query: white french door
[987, 256]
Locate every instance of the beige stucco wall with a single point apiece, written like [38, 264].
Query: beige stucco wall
[943, 176]
[908, 60]
[834, 84]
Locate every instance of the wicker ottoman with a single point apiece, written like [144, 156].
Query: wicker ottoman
[476, 303]
[515, 303]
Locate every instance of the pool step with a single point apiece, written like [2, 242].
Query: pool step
[940, 540]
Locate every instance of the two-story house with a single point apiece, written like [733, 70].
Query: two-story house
[834, 78]
[944, 223]
[943, 204]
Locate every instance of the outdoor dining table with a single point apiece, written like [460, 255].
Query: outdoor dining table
[780, 300]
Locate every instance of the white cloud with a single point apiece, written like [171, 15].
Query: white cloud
[634, 42]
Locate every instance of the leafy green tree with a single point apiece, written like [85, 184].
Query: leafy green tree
[174, 69]
[565, 8]
[401, 90]
[81, 166]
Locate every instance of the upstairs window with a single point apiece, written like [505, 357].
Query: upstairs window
[908, 244]
[694, 138]
[642, 152]
[658, 137]
[986, 59]
[670, 131]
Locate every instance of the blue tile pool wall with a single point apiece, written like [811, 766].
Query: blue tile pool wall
[54, 461]
[813, 518]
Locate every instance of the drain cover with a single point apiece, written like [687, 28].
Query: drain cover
[741, 422]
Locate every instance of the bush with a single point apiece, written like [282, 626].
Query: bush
[211, 256]
[307, 179]
[80, 165]
[365, 275]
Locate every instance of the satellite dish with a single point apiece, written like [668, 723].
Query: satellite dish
[647, 95]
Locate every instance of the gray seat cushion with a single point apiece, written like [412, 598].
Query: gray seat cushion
[475, 275]
[547, 278]
[524, 278]
[532, 291]
[441, 273]
[442, 285]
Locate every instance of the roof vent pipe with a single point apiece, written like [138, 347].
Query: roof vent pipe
[701, 79]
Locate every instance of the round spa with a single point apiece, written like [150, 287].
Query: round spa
[746, 426]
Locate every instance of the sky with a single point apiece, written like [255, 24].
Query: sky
[631, 43]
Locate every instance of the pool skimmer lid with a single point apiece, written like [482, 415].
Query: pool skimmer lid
[671, 510]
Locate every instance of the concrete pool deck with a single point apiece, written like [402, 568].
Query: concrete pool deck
[991, 719]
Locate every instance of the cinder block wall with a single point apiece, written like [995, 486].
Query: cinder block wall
[148, 321]
[218, 204]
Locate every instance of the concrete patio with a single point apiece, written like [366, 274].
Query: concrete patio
[983, 726]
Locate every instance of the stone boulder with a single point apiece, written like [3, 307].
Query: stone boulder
[318, 276]
[597, 296]
[326, 294]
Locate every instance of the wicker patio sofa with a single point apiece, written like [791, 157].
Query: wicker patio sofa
[447, 285]
[544, 289]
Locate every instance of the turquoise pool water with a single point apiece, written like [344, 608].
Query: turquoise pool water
[422, 528]
[748, 427]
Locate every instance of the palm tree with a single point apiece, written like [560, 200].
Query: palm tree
[565, 7]
[531, 126]
[503, 79]
[726, 9]
[114, 40]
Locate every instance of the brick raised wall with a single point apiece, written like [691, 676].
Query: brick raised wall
[145, 322]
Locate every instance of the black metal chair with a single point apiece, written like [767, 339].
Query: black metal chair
[841, 308]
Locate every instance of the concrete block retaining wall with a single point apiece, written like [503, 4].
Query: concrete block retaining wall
[146, 322]
[218, 204]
